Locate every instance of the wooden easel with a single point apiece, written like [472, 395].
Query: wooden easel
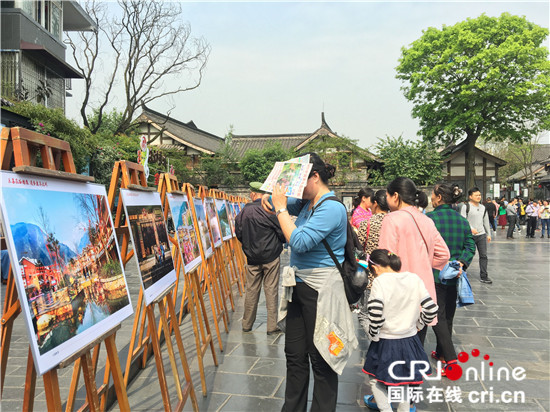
[131, 176]
[192, 296]
[21, 146]
[206, 277]
[226, 255]
[237, 247]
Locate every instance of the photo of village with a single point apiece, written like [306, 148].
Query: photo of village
[187, 237]
[151, 244]
[69, 263]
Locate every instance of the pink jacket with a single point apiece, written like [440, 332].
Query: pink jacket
[400, 235]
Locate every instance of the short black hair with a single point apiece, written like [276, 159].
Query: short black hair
[473, 190]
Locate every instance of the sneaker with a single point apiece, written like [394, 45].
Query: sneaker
[486, 280]
[370, 403]
[413, 407]
[273, 332]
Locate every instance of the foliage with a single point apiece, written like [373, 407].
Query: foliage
[418, 161]
[487, 76]
[52, 122]
[257, 163]
[110, 269]
[220, 168]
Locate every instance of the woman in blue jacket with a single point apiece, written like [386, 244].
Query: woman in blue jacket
[318, 322]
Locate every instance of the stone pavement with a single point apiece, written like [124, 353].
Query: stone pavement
[509, 322]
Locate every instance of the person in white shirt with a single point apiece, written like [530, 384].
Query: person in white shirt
[399, 306]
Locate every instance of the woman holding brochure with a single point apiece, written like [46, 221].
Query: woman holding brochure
[318, 302]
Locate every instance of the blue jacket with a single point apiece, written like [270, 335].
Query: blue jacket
[465, 296]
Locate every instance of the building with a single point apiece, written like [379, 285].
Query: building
[536, 173]
[486, 168]
[32, 49]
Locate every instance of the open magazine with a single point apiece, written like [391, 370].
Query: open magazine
[292, 174]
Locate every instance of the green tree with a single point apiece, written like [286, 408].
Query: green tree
[256, 164]
[487, 76]
[418, 161]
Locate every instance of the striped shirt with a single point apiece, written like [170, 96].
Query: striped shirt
[399, 305]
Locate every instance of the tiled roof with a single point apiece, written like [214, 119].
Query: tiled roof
[242, 143]
[185, 133]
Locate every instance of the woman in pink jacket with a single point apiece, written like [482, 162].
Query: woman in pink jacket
[413, 236]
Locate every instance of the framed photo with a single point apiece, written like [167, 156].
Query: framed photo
[66, 263]
[150, 241]
[348, 202]
[182, 216]
[225, 226]
[213, 220]
[231, 216]
[204, 234]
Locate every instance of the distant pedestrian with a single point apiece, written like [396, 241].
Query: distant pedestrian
[511, 215]
[502, 215]
[362, 210]
[544, 214]
[262, 239]
[492, 212]
[532, 211]
[477, 216]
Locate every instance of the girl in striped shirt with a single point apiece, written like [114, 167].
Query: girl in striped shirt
[399, 305]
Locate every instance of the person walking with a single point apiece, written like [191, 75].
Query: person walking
[314, 297]
[457, 234]
[412, 235]
[492, 212]
[544, 215]
[262, 239]
[399, 305]
[363, 204]
[532, 211]
[512, 216]
[476, 215]
[502, 215]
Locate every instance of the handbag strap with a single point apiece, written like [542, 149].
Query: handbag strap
[421, 234]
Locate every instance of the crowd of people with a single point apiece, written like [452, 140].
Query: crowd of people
[416, 260]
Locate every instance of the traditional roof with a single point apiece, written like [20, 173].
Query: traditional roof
[453, 150]
[187, 134]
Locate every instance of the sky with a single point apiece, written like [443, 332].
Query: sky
[275, 66]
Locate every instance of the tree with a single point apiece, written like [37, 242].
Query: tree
[418, 161]
[151, 45]
[256, 164]
[488, 76]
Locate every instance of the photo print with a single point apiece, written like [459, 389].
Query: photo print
[185, 231]
[150, 241]
[203, 227]
[66, 263]
[213, 220]
[225, 227]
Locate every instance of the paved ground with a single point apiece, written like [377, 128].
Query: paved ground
[509, 322]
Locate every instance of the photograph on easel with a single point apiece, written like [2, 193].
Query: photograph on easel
[69, 275]
[150, 241]
[231, 217]
[221, 207]
[213, 220]
[203, 228]
[185, 230]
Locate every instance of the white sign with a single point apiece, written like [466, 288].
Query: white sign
[496, 190]
[516, 188]
[525, 192]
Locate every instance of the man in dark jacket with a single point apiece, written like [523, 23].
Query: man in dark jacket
[492, 212]
[262, 238]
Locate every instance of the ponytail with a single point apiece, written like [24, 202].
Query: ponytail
[385, 258]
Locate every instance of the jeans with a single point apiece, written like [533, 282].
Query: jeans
[300, 351]
[481, 245]
[511, 225]
[545, 224]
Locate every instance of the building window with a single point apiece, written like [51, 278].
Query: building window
[10, 75]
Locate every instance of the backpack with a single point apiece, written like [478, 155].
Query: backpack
[354, 285]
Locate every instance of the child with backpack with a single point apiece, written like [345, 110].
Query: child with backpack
[399, 306]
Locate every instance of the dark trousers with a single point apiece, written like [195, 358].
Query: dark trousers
[493, 223]
[481, 245]
[300, 351]
[511, 225]
[446, 300]
[531, 226]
